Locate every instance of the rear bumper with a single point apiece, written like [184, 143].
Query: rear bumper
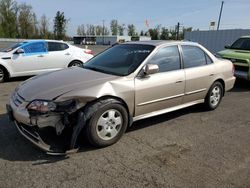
[229, 83]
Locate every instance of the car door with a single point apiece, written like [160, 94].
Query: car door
[59, 55]
[163, 89]
[199, 72]
[31, 61]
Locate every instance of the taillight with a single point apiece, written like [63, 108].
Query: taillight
[88, 52]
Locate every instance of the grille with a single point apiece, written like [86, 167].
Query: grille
[17, 99]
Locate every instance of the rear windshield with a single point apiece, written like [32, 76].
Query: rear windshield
[120, 60]
[241, 44]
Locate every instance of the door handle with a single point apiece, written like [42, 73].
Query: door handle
[67, 54]
[179, 81]
[40, 56]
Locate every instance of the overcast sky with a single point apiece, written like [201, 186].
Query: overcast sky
[190, 13]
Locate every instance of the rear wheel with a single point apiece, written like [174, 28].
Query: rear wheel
[214, 96]
[75, 64]
[107, 124]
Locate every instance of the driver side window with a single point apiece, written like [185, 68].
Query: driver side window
[167, 58]
[35, 47]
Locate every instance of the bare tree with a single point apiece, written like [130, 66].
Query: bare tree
[81, 30]
[90, 29]
[44, 27]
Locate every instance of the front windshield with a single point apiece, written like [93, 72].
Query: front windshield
[241, 44]
[120, 60]
[13, 46]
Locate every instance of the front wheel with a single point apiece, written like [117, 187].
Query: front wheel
[107, 124]
[214, 96]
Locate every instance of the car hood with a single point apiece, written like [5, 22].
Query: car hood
[51, 85]
[4, 54]
[233, 53]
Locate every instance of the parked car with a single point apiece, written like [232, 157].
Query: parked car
[123, 84]
[239, 54]
[39, 56]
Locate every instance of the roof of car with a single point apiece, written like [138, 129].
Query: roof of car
[160, 42]
[43, 40]
[245, 37]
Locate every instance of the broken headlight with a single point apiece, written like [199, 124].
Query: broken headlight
[42, 106]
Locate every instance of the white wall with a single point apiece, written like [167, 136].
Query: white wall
[215, 41]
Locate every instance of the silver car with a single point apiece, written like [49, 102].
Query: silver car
[123, 84]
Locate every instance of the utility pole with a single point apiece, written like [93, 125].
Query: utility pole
[221, 8]
[103, 31]
[177, 31]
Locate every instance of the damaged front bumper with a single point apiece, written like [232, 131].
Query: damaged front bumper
[34, 137]
[45, 131]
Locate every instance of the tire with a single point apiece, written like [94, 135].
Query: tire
[107, 124]
[214, 96]
[75, 64]
[3, 75]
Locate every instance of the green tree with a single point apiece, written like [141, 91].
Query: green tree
[131, 30]
[27, 21]
[164, 34]
[121, 29]
[60, 24]
[184, 30]
[8, 21]
[155, 33]
[142, 33]
[114, 27]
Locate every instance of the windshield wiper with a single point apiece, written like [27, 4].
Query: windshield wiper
[101, 70]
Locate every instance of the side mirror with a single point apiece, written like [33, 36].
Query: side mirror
[227, 46]
[150, 69]
[19, 51]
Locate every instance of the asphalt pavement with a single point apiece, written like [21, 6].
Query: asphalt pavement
[187, 148]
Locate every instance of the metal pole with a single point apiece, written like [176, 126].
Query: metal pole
[218, 26]
[177, 31]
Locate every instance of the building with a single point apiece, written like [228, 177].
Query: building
[106, 40]
[110, 40]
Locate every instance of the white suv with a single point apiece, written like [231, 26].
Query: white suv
[38, 56]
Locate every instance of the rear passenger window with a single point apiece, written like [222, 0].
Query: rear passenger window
[208, 59]
[193, 56]
[57, 46]
[167, 59]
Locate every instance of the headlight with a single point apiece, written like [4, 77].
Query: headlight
[42, 106]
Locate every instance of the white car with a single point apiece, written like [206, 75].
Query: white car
[39, 56]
